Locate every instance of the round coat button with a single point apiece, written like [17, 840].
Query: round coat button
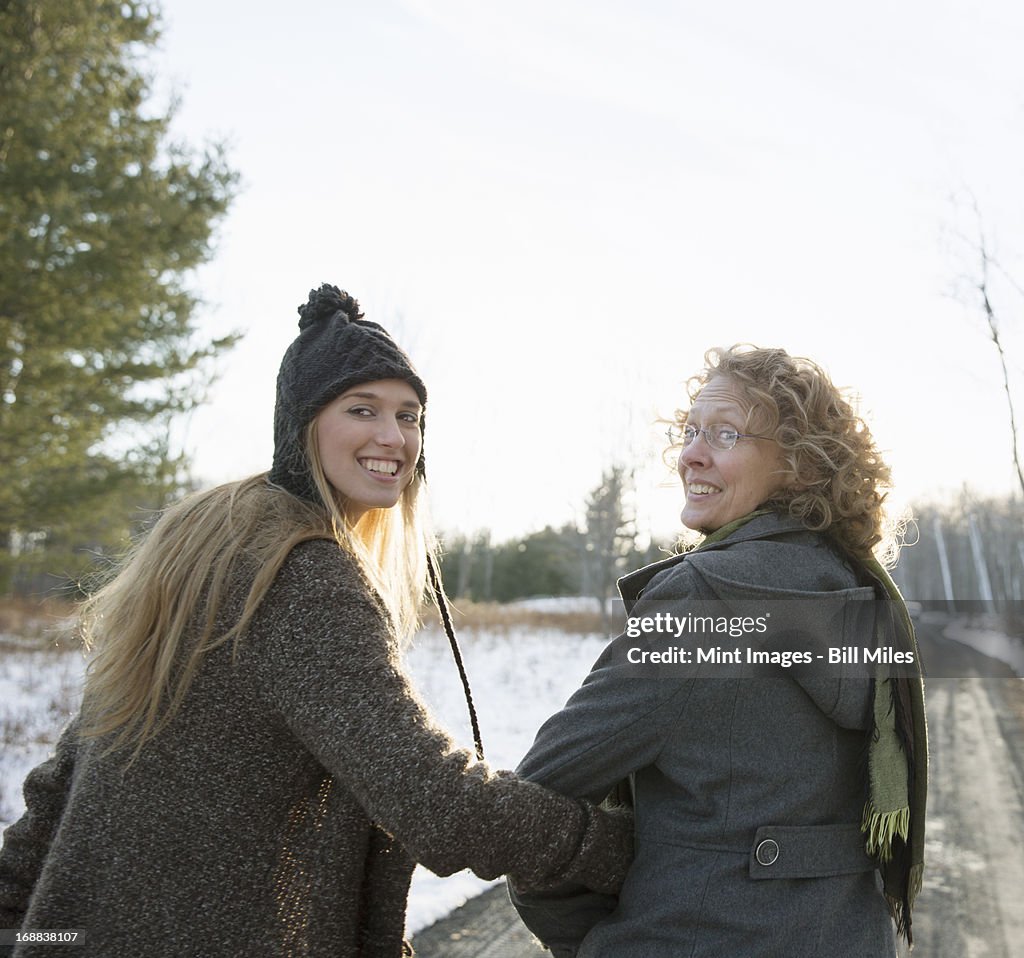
[767, 851]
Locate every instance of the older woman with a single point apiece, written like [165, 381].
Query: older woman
[761, 828]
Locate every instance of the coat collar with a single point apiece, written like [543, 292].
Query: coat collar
[761, 525]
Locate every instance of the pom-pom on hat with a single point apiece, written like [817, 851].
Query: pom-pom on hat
[335, 350]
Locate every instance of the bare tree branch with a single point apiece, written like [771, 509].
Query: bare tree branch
[982, 286]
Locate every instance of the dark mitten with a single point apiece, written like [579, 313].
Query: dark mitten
[602, 857]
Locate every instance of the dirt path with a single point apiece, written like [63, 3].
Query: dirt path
[485, 927]
[972, 904]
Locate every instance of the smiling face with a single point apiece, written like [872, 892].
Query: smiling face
[724, 484]
[368, 440]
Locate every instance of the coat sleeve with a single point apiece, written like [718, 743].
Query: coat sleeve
[323, 657]
[617, 721]
[615, 724]
[27, 841]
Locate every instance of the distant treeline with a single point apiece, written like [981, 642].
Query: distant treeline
[969, 549]
[559, 562]
[582, 558]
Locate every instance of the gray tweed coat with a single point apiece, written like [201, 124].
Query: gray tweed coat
[260, 822]
[748, 791]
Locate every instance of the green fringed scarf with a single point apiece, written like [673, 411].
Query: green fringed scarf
[894, 812]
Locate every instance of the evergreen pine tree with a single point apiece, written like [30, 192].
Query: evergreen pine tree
[102, 217]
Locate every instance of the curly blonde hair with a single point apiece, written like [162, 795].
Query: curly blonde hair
[839, 480]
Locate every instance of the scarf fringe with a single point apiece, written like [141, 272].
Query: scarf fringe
[900, 908]
[915, 882]
[882, 827]
[901, 917]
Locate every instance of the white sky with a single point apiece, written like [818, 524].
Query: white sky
[558, 205]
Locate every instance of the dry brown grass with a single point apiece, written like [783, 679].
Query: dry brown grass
[44, 623]
[496, 617]
[35, 623]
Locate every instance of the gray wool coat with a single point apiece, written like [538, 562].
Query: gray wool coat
[282, 810]
[748, 788]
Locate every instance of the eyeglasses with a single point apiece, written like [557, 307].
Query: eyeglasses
[717, 435]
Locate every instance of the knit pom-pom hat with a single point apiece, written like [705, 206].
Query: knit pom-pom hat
[335, 350]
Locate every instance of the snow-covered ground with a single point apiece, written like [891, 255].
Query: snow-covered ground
[518, 680]
[988, 639]
[39, 692]
[519, 677]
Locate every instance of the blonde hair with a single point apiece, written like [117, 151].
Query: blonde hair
[152, 626]
[839, 480]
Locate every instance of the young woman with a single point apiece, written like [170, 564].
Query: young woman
[251, 773]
